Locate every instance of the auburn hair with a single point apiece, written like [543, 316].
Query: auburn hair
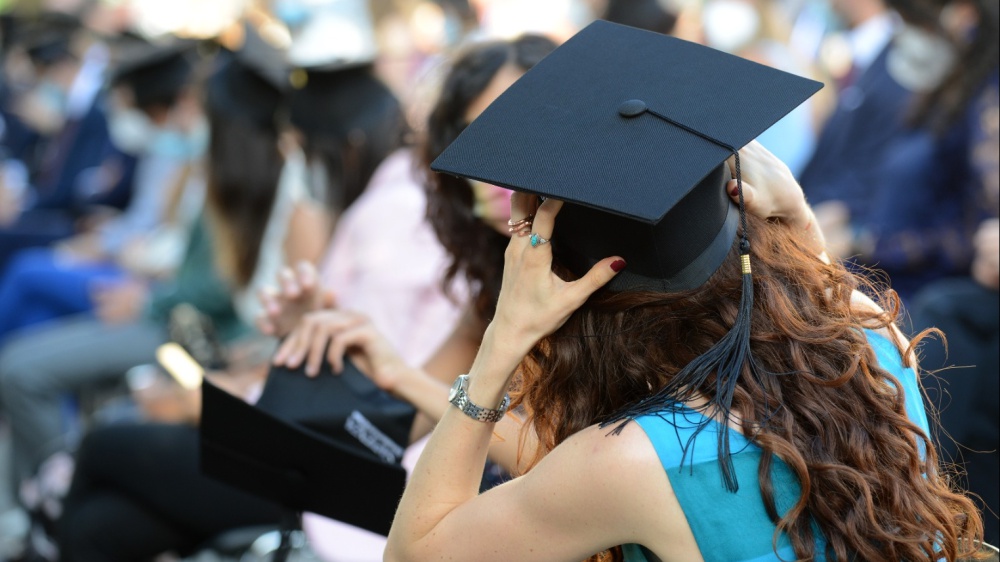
[824, 406]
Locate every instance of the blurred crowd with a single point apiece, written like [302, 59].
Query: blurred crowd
[213, 175]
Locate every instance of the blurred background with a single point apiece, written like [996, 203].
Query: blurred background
[112, 177]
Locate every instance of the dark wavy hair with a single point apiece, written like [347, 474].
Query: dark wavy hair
[978, 58]
[835, 416]
[475, 248]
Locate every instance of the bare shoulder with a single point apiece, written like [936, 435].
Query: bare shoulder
[628, 450]
[628, 487]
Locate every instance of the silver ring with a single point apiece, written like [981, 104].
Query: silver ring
[537, 240]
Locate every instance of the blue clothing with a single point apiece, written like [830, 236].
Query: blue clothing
[33, 228]
[68, 183]
[915, 194]
[711, 511]
[935, 189]
[850, 149]
[37, 287]
[81, 144]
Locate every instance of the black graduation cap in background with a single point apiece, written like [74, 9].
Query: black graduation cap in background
[633, 129]
[48, 37]
[250, 83]
[330, 445]
[156, 72]
[335, 102]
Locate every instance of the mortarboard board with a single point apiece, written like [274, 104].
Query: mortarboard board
[632, 129]
[249, 83]
[617, 123]
[156, 72]
[329, 445]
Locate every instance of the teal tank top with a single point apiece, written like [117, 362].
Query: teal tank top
[734, 527]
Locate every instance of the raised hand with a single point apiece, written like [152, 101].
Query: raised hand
[771, 192]
[534, 301]
[769, 189]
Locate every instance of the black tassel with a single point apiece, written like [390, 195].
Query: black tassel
[726, 359]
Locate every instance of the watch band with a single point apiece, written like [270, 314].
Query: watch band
[460, 398]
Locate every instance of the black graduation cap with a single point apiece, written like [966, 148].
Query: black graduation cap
[156, 72]
[633, 129]
[48, 38]
[651, 15]
[250, 83]
[336, 102]
[330, 445]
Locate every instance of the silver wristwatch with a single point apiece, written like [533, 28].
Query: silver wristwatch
[460, 398]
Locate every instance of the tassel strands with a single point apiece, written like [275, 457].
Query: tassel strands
[726, 360]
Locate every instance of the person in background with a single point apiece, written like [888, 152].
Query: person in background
[40, 367]
[413, 274]
[383, 256]
[666, 402]
[841, 173]
[911, 162]
[59, 131]
[155, 116]
[350, 123]
[468, 218]
[955, 149]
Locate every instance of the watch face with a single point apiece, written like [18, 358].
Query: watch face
[455, 388]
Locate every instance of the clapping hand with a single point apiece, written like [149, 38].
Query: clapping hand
[298, 293]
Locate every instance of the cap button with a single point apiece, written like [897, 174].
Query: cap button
[631, 108]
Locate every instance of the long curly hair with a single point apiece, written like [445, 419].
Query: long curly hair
[826, 408]
[476, 249]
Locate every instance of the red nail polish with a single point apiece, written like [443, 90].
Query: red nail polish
[617, 265]
[735, 192]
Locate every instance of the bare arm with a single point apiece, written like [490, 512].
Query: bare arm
[328, 335]
[308, 233]
[427, 389]
[545, 516]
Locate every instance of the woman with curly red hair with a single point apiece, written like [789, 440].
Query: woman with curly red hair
[692, 396]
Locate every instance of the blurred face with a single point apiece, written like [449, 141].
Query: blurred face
[177, 132]
[492, 203]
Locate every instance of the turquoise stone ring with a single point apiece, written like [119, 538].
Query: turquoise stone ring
[537, 240]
